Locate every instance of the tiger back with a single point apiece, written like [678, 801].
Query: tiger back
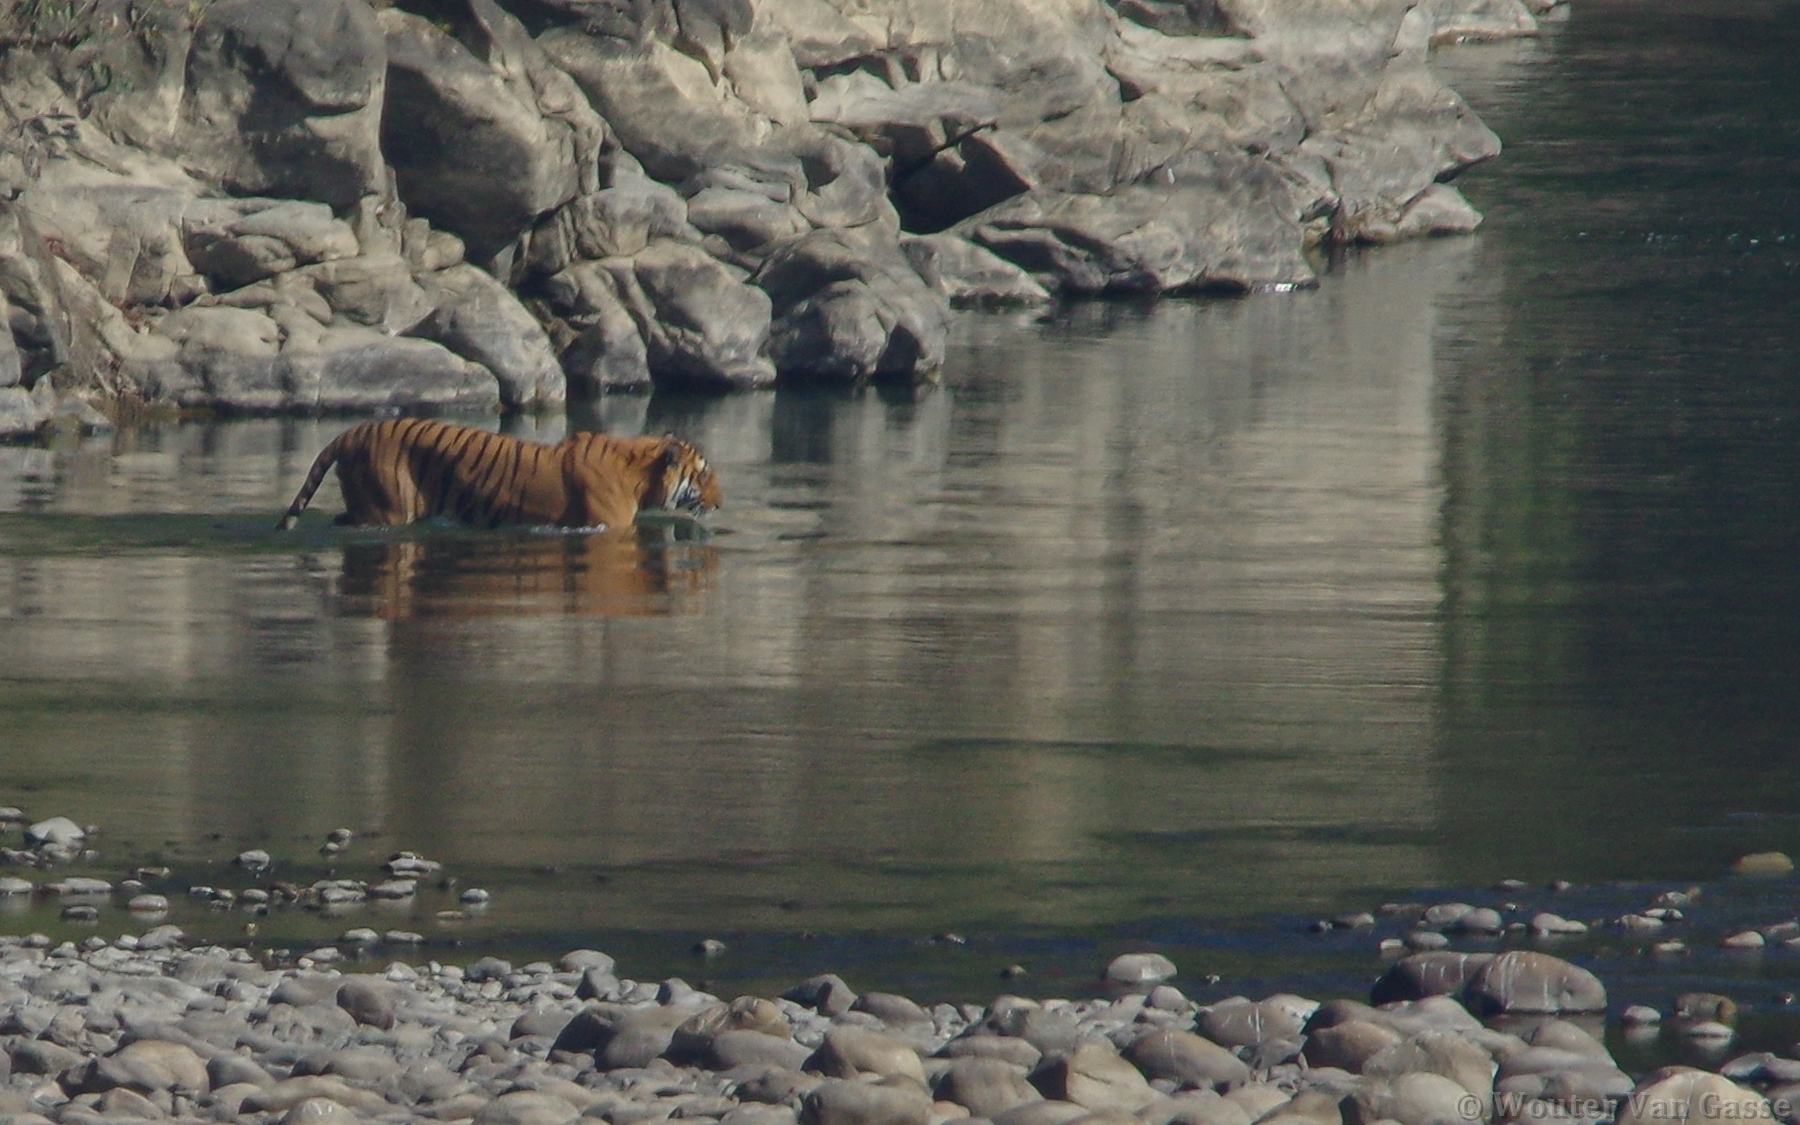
[400, 470]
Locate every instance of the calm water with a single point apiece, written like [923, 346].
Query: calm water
[1173, 624]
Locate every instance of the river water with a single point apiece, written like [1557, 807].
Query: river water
[1167, 624]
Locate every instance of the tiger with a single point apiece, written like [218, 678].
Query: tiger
[397, 471]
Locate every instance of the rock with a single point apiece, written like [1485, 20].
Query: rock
[56, 831]
[1523, 981]
[1139, 968]
[1410, 1099]
[968, 275]
[371, 1002]
[639, 1036]
[319, 1111]
[663, 106]
[148, 1065]
[258, 238]
[841, 1102]
[985, 1086]
[1545, 924]
[893, 1010]
[486, 134]
[284, 98]
[1479, 920]
[701, 326]
[1048, 1031]
[479, 319]
[827, 994]
[236, 359]
[850, 309]
[1427, 974]
[1189, 1060]
[694, 1039]
[1239, 1022]
[1348, 1045]
[1007, 1048]
[850, 1051]
[616, 221]
[1093, 1075]
[1679, 1093]
[148, 904]
[1763, 864]
[586, 961]
[527, 1107]
[819, 35]
[1217, 232]
[21, 412]
[1456, 21]
[12, 368]
[228, 1070]
[377, 290]
[732, 1049]
[1444, 1053]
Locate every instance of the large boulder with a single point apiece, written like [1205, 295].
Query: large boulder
[244, 241]
[1210, 233]
[701, 325]
[603, 349]
[664, 106]
[284, 97]
[485, 134]
[618, 220]
[1680, 1093]
[1433, 973]
[244, 360]
[479, 319]
[1523, 981]
[850, 308]
[1188, 1060]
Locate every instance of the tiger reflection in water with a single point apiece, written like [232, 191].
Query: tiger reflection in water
[642, 572]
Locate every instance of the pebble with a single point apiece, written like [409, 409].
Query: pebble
[1139, 968]
[1760, 864]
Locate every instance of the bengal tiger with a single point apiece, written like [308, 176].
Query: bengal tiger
[400, 470]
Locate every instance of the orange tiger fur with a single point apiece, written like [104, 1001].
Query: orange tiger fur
[407, 469]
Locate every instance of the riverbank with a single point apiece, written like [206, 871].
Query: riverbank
[147, 1028]
[337, 206]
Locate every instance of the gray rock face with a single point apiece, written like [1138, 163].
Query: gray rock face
[479, 319]
[483, 140]
[850, 309]
[701, 326]
[664, 106]
[676, 146]
[1149, 239]
[284, 97]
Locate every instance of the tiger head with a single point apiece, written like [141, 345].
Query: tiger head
[684, 480]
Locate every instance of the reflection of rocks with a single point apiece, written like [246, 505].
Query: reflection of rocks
[324, 164]
[646, 573]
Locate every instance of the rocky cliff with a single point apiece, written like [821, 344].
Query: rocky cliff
[317, 205]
